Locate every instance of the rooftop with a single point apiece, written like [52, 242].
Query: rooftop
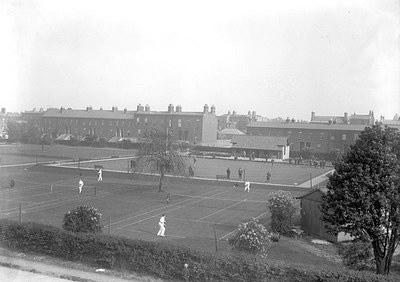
[301, 125]
[258, 142]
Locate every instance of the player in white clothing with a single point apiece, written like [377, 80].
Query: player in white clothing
[161, 224]
[247, 186]
[100, 175]
[80, 186]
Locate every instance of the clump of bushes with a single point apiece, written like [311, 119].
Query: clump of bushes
[357, 255]
[82, 219]
[163, 260]
[251, 237]
[281, 206]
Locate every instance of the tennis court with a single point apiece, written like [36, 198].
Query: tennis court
[132, 208]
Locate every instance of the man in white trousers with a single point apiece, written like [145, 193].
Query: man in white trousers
[247, 186]
[100, 175]
[161, 224]
[80, 186]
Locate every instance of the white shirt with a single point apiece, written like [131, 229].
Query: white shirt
[162, 220]
[80, 182]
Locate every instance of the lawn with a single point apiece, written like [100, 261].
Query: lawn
[132, 208]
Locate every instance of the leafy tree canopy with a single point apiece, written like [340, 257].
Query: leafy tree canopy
[363, 197]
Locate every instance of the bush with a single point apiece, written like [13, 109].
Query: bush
[82, 219]
[281, 205]
[357, 255]
[163, 260]
[251, 237]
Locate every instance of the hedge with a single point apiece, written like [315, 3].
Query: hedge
[163, 260]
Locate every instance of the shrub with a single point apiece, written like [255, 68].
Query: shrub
[357, 255]
[166, 261]
[251, 237]
[281, 205]
[82, 219]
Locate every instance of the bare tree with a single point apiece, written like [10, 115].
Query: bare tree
[156, 156]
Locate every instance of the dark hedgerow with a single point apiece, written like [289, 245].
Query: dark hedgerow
[163, 260]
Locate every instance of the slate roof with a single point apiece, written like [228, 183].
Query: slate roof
[99, 114]
[170, 113]
[258, 142]
[303, 125]
[231, 131]
[326, 119]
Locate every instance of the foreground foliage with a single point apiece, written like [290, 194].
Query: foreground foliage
[251, 237]
[82, 219]
[363, 196]
[282, 208]
[163, 260]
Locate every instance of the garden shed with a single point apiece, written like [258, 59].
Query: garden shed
[311, 217]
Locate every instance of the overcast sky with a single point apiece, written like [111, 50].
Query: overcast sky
[278, 58]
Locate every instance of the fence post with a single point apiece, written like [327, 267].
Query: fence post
[215, 239]
[95, 190]
[20, 213]
[310, 181]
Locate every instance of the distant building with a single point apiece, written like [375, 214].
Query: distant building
[191, 127]
[238, 121]
[355, 119]
[228, 133]
[260, 147]
[320, 138]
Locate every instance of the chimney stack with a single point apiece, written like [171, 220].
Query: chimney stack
[147, 108]
[205, 109]
[312, 116]
[213, 109]
[170, 108]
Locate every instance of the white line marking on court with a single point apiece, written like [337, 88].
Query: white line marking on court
[255, 218]
[138, 231]
[222, 209]
[195, 221]
[174, 204]
[167, 211]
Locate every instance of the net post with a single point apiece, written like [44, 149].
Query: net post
[310, 181]
[51, 188]
[95, 190]
[20, 213]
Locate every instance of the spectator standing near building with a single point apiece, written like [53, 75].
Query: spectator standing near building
[240, 173]
[12, 183]
[228, 173]
[268, 177]
[161, 225]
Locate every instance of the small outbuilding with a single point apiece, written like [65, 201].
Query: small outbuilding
[311, 217]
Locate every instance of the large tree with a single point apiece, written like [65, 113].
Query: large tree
[363, 197]
[157, 156]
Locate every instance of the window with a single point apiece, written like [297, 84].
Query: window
[179, 123]
[139, 132]
[137, 120]
[301, 145]
[300, 133]
[117, 123]
[344, 137]
[355, 137]
[146, 121]
[102, 122]
[110, 123]
[332, 136]
[170, 123]
[321, 137]
[308, 144]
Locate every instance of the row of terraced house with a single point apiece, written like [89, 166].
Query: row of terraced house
[250, 135]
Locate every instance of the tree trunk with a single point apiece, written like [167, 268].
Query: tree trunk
[383, 262]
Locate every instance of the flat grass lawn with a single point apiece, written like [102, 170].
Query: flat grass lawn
[132, 208]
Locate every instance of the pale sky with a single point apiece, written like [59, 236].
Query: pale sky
[278, 58]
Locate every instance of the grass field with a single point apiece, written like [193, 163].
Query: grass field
[132, 208]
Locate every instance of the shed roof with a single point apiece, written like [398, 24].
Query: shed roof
[258, 142]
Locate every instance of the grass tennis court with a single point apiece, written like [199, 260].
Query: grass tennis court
[133, 207]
